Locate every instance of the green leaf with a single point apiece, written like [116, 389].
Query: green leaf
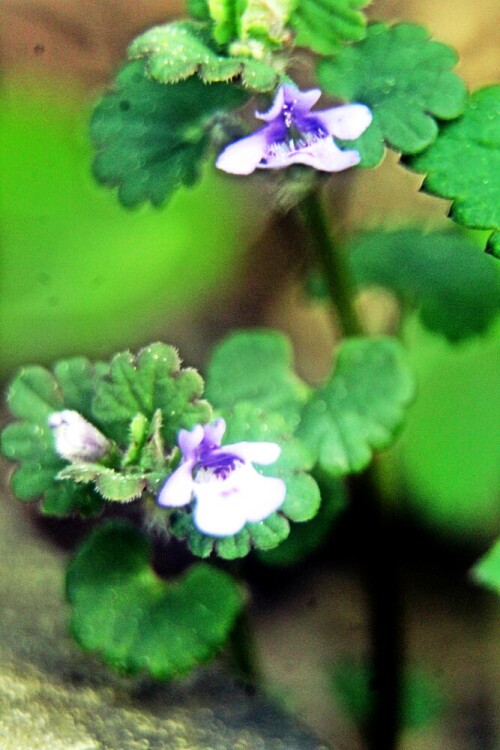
[306, 538]
[361, 405]
[256, 366]
[486, 571]
[422, 700]
[177, 51]
[455, 286]
[153, 380]
[198, 9]
[114, 486]
[33, 395]
[325, 25]
[464, 162]
[406, 81]
[247, 422]
[137, 622]
[152, 138]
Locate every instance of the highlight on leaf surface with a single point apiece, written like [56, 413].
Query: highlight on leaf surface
[248, 422]
[405, 79]
[33, 396]
[360, 407]
[454, 285]
[486, 572]
[325, 25]
[137, 622]
[151, 138]
[179, 50]
[464, 163]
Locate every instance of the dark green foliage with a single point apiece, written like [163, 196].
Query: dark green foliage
[454, 285]
[137, 622]
[151, 138]
[406, 81]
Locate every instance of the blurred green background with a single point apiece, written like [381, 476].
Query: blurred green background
[79, 273]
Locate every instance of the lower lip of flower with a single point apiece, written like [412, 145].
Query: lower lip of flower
[291, 146]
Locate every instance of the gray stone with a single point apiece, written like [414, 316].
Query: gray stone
[55, 697]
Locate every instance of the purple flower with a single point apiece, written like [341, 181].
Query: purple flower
[227, 490]
[295, 135]
[76, 439]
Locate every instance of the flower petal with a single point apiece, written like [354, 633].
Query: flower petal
[214, 432]
[179, 487]
[243, 156]
[259, 453]
[262, 496]
[276, 107]
[218, 514]
[346, 122]
[190, 440]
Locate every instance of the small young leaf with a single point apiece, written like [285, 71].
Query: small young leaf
[136, 622]
[486, 571]
[33, 395]
[360, 407]
[152, 138]
[114, 486]
[256, 366]
[325, 25]
[151, 381]
[456, 287]
[177, 51]
[246, 422]
[464, 162]
[406, 81]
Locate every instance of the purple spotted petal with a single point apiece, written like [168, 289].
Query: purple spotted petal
[321, 154]
[179, 487]
[347, 122]
[223, 507]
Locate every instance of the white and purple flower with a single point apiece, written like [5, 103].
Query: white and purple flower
[226, 489]
[295, 135]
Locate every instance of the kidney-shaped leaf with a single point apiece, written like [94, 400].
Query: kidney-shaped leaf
[137, 622]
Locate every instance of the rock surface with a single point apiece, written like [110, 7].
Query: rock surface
[54, 697]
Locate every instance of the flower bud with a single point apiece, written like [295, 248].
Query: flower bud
[75, 438]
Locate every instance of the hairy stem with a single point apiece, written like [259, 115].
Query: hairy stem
[376, 544]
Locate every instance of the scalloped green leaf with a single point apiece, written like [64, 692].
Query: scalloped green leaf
[153, 380]
[137, 622]
[248, 422]
[305, 538]
[463, 164]
[32, 396]
[112, 485]
[486, 571]
[455, 286]
[325, 25]
[151, 138]
[256, 366]
[406, 81]
[176, 51]
[360, 407]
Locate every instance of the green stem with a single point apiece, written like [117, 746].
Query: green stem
[333, 264]
[376, 544]
[243, 650]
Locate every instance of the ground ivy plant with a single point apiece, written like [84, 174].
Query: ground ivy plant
[247, 457]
